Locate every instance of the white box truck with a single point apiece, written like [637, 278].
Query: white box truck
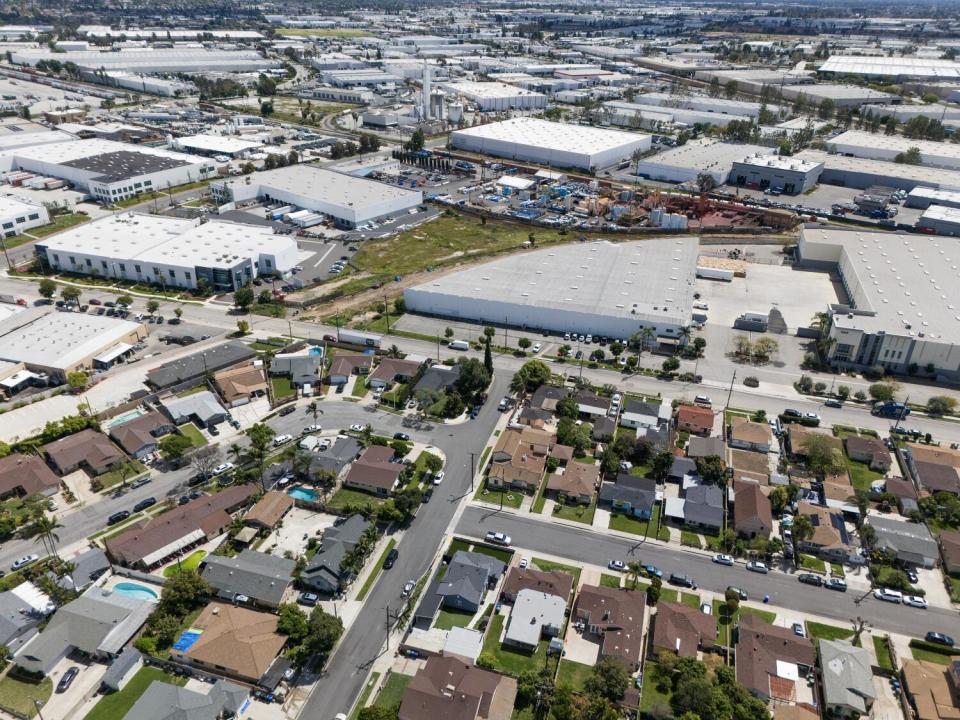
[459, 345]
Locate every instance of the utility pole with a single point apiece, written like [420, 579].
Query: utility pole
[472, 471]
[386, 312]
[901, 414]
[438, 348]
[730, 391]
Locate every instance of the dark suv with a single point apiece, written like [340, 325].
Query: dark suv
[118, 517]
[390, 559]
[681, 580]
[810, 579]
[144, 504]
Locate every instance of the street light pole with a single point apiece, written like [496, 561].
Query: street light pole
[473, 469]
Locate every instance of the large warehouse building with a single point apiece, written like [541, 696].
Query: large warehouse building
[153, 60]
[17, 215]
[170, 251]
[862, 173]
[496, 96]
[348, 200]
[788, 174]
[894, 67]
[704, 155]
[875, 146]
[598, 288]
[551, 143]
[904, 300]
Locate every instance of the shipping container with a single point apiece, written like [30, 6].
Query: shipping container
[712, 273]
[354, 337]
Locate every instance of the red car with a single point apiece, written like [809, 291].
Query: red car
[329, 338]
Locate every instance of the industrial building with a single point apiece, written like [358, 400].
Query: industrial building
[876, 146]
[839, 95]
[153, 60]
[367, 77]
[551, 143]
[18, 215]
[348, 200]
[941, 219]
[862, 173]
[58, 343]
[654, 117]
[355, 96]
[216, 145]
[496, 96]
[789, 175]
[705, 155]
[904, 302]
[170, 251]
[108, 170]
[704, 103]
[892, 67]
[922, 197]
[599, 288]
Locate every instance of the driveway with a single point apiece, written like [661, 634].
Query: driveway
[297, 523]
[73, 703]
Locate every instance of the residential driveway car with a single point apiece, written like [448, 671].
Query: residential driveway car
[71, 704]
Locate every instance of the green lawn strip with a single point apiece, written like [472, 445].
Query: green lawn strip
[159, 194]
[193, 434]
[364, 695]
[191, 563]
[932, 656]
[809, 562]
[347, 496]
[573, 674]
[690, 539]
[115, 477]
[499, 553]
[391, 694]
[510, 498]
[457, 544]
[885, 572]
[360, 388]
[508, 661]
[821, 631]
[656, 690]
[690, 600]
[118, 704]
[764, 615]
[449, 619]
[669, 594]
[375, 573]
[281, 387]
[612, 581]
[577, 513]
[56, 224]
[625, 523]
[640, 470]
[836, 569]
[18, 696]
[861, 475]
[726, 621]
[881, 647]
[541, 498]
[115, 530]
[484, 455]
[550, 566]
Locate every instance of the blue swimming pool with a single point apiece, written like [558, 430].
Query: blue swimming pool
[125, 417]
[316, 351]
[302, 493]
[135, 590]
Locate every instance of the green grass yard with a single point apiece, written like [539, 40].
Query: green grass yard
[449, 619]
[281, 387]
[691, 539]
[821, 631]
[360, 387]
[576, 513]
[626, 523]
[18, 696]
[861, 475]
[392, 691]
[882, 648]
[58, 223]
[118, 704]
[347, 496]
[191, 563]
[509, 661]
[116, 477]
[934, 657]
[656, 690]
[612, 581]
[726, 621]
[573, 674]
[550, 566]
[510, 498]
[809, 562]
[193, 434]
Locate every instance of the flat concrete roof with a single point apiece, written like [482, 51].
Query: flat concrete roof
[561, 137]
[781, 162]
[895, 143]
[334, 188]
[706, 154]
[217, 143]
[60, 339]
[943, 177]
[489, 89]
[62, 153]
[891, 66]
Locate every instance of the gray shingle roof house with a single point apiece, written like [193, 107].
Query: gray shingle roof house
[124, 667]
[534, 615]
[323, 574]
[704, 506]
[847, 678]
[87, 567]
[202, 407]
[468, 576]
[301, 369]
[911, 542]
[200, 363]
[262, 578]
[438, 378]
[336, 457]
[630, 494]
[163, 701]
[682, 466]
[18, 619]
[705, 447]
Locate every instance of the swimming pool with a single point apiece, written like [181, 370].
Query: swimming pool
[135, 590]
[302, 493]
[316, 351]
[125, 417]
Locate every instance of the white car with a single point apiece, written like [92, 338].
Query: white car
[357, 428]
[222, 468]
[757, 567]
[915, 601]
[24, 561]
[721, 559]
[524, 562]
[811, 416]
[701, 306]
[312, 428]
[498, 538]
[617, 565]
[281, 439]
[894, 596]
[438, 478]
[536, 347]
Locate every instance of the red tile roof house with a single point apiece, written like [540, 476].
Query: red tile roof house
[752, 516]
[87, 449]
[373, 472]
[694, 419]
[22, 475]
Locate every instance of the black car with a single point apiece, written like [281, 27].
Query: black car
[939, 638]
[681, 580]
[197, 493]
[427, 495]
[287, 410]
[400, 436]
[791, 412]
[912, 576]
[109, 303]
[118, 517]
[810, 579]
[184, 499]
[340, 388]
[213, 430]
[144, 504]
[390, 559]
[67, 679]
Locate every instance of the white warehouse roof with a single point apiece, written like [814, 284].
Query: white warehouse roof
[560, 137]
[488, 89]
[223, 144]
[892, 66]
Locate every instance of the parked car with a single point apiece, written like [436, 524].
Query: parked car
[722, 559]
[681, 580]
[740, 593]
[706, 608]
[912, 575]
[653, 571]
[758, 567]
[390, 559]
[27, 560]
[888, 595]
[811, 416]
[115, 518]
[144, 504]
[309, 599]
[833, 403]
[836, 584]
[792, 412]
[357, 427]
[281, 439]
[408, 587]
[498, 538]
[222, 468]
[438, 478]
[401, 436]
[702, 400]
[939, 638]
[427, 495]
[618, 565]
[798, 630]
[286, 410]
[67, 679]
[312, 428]
[140, 482]
[810, 579]
[915, 601]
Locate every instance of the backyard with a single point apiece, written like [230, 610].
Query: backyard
[189, 564]
[282, 387]
[191, 433]
[508, 661]
[346, 496]
[449, 619]
[117, 705]
[861, 475]
[573, 674]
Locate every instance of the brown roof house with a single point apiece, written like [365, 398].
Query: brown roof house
[830, 538]
[555, 582]
[932, 689]
[616, 618]
[519, 459]
[576, 483]
[950, 551]
[752, 516]
[347, 364]
[392, 370]
[447, 688]
[373, 472]
[269, 510]
[746, 434]
[141, 436]
[22, 475]
[239, 385]
[769, 659]
[149, 542]
[935, 477]
[234, 642]
[87, 449]
[797, 434]
[682, 629]
[868, 450]
[694, 419]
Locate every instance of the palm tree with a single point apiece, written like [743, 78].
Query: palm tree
[859, 625]
[236, 451]
[685, 333]
[648, 334]
[634, 571]
[314, 410]
[45, 528]
[802, 529]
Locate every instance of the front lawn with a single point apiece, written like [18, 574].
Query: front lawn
[612, 581]
[115, 477]
[573, 674]
[58, 223]
[690, 539]
[881, 646]
[191, 433]
[809, 562]
[449, 619]
[282, 387]
[647, 528]
[17, 696]
[550, 566]
[861, 475]
[821, 631]
[933, 656]
[690, 600]
[576, 513]
[191, 563]
[726, 621]
[360, 387]
[498, 496]
[118, 704]
[348, 496]
[391, 694]
[499, 553]
[509, 661]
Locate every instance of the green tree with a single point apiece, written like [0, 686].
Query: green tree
[70, 293]
[567, 407]
[125, 300]
[670, 365]
[912, 156]
[711, 469]
[261, 438]
[152, 306]
[47, 288]
[179, 313]
[706, 182]
[243, 327]
[243, 298]
[292, 622]
[532, 375]
[802, 529]
[823, 457]
[173, 447]
[609, 679]
[883, 391]
[473, 378]
[940, 405]
[77, 380]
[416, 141]
[325, 630]
[660, 467]
[488, 358]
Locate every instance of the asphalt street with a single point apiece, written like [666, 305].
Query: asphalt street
[587, 546]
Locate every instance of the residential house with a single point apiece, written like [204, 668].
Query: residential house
[87, 449]
[150, 542]
[553, 582]
[703, 508]
[234, 642]
[122, 669]
[534, 418]
[911, 543]
[576, 483]
[746, 434]
[269, 510]
[519, 459]
[141, 436]
[868, 450]
[616, 617]
[323, 572]
[682, 629]
[469, 575]
[904, 491]
[603, 430]
[165, 701]
[373, 472]
[771, 660]
[392, 370]
[99, 624]
[240, 385]
[201, 408]
[752, 516]
[797, 435]
[337, 458]
[343, 365]
[637, 414]
[630, 495]
[847, 679]
[657, 439]
[837, 491]
[261, 578]
[591, 405]
[22, 610]
[88, 566]
[22, 475]
[300, 369]
[546, 398]
[438, 378]
[447, 688]
[681, 468]
[535, 615]
[936, 477]
[950, 551]
[830, 539]
[694, 419]
[196, 365]
[701, 447]
[932, 689]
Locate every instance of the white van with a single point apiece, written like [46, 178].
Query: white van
[459, 345]
[894, 596]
